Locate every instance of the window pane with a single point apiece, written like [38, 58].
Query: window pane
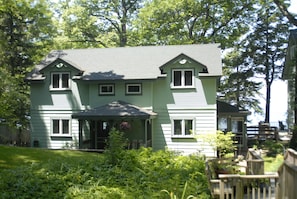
[55, 80]
[65, 80]
[106, 89]
[56, 126]
[237, 126]
[65, 124]
[222, 124]
[188, 127]
[188, 78]
[133, 89]
[177, 127]
[177, 78]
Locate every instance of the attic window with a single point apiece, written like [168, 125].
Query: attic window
[182, 78]
[60, 81]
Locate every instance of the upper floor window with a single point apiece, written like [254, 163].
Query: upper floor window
[60, 81]
[60, 127]
[182, 127]
[182, 77]
[133, 89]
[106, 89]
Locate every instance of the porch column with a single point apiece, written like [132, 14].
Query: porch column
[80, 129]
[145, 132]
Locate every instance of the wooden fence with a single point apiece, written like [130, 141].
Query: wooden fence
[288, 176]
[255, 185]
[255, 163]
[248, 186]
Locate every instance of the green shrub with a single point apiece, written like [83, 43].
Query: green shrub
[141, 174]
[116, 143]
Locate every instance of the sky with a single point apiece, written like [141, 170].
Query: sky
[293, 7]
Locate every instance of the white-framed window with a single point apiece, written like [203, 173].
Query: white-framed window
[182, 78]
[182, 127]
[133, 89]
[60, 81]
[106, 89]
[60, 127]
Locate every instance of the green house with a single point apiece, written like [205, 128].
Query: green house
[159, 96]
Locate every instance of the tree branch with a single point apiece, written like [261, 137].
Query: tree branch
[283, 8]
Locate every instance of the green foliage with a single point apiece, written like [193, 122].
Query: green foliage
[293, 141]
[273, 148]
[25, 35]
[222, 142]
[191, 21]
[238, 86]
[140, 174]
[116, 143]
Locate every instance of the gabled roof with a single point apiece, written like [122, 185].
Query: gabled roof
[224, 108]
[141, 62]
[183, 59]
[118, 109]
[291, 55]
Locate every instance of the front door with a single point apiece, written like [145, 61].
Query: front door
[99, 134]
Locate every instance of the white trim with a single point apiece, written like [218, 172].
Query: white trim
[60, 134]
[106, 85]
[133, 84]
[182, 86]
[60, 88]
[183, 135]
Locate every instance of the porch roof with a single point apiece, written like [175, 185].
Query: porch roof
[116, 109]
[228, 109]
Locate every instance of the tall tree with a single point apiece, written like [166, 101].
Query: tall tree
[238, 86]
[190, 21]
[264, 47]
[25, 34]
[283, 7]
[99, 23]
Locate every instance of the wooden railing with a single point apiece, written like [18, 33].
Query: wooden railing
[255, 163]
[262, 133]
[248, 186]
[254, 185]
[288, 176]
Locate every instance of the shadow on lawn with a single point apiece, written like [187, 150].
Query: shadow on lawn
[12, 157]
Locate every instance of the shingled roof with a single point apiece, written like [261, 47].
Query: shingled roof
[116, 109]
[143, 62]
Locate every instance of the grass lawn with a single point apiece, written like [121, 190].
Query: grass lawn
[11, 157]
[271, 164]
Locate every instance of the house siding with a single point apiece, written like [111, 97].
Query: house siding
[41, 129]
[197, 102]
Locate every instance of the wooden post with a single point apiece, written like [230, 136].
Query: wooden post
[80, 138]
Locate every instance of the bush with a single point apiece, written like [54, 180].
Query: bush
[139, 174]
[115, 146]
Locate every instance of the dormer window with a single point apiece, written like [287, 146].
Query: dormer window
[60, 81]
[182, 78]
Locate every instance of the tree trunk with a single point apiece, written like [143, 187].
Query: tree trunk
[267, 107]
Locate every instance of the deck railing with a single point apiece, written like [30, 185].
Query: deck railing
[288, 176]
[248, 186]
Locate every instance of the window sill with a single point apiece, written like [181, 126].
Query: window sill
[182, 87]
[60, 89]
[182, 137]
[61, 136]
